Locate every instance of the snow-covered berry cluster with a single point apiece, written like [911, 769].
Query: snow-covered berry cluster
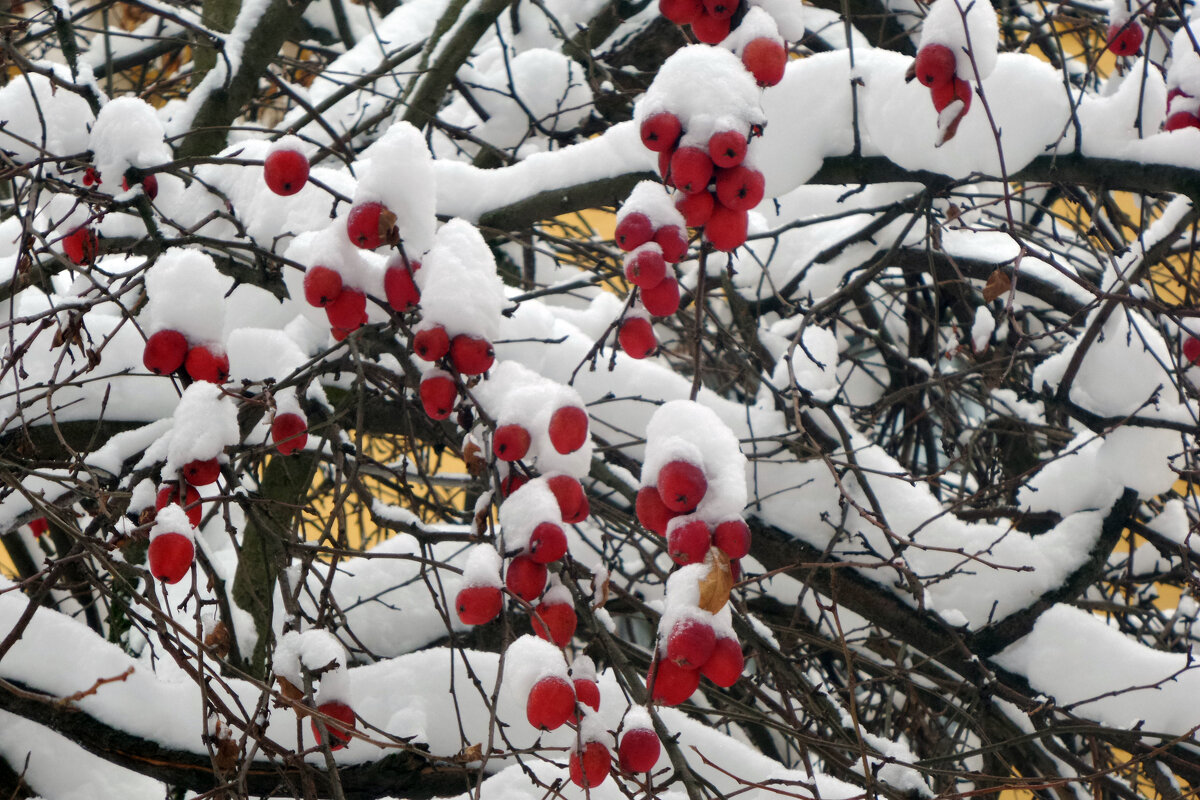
[1183, 83]
[186, 313]
[323, 656]
[957, 46]
[703, 140]
[1125, 35]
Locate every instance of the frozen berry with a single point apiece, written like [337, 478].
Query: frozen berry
[170, 556]
[343, 714]
[285, 171]
[672, 241]
[646, 267]
[711, 29]
[289, 432]
[727, 148]
[662, 299]
[739, 188]
[681, 12]
[639, 750]
[660, 131]
[691, 170]
[370, 225]
[399, 288]
[587, 693]
[673, 684]
[348, 310]
[431, 343]
[572, 502]
[547, 543]
[766, 59]
[165, 351]
[551, 702]
[636, 337]
[555, 622]
[691, 642]
[589, 768]
[934, 64]
[689, 542]
[471, 355]
[202, 472]
[80, 245]
[633, 231]
[525, 578]
[726, 663]
[726, 228]
[733, 537]
[478, 604]
[651, 511]
[190, 501]
[204, 364]
[322, 286]
[568, 429]
[511, 442]
[438, 395]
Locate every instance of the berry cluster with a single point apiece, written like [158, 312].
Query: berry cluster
[755, 35]
[168, 350]
[1183, 83]
[693, 642]
[319, 653]
[187, 314]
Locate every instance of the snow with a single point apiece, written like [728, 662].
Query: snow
[127, 133]
[35, 116]
[970, 31]
[186, 294]
[205, 423]
[458, 283]
[401, 151]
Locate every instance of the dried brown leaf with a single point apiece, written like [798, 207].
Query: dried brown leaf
[998, 285]
[718, 583]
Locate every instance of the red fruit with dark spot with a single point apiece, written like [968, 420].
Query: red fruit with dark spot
[203, 364]
[639, 750]
[471, 355]
[587, 693]
[636, 337]
[646, 267]
[672, 683]
[633, 231]
[478, 604]
[568, 429]
[525, 578]
[710, 29]
[651, 511]
[202, 472]
[691, 642]
[721, 8]
[547, 543]
[727, 148]
[1125, 40]
[551, 703]
[726, 228]
[170, 556]
[399, 288]
[289, 432]
[740, 188]
[348, 310]
[1191, 349]
[733, 537]
[589, 768]
[672, 241]
[689, 543]
[511, 442]
[343, 714]
[80, 245]
[766, 59]
[431, 343]
[285, 171]
[682, 485]
[322, 286]
[572, 501]
[935, 64]
[661, 131]
[438, 395]
[39, 525]
[190, 501]
[726, 663]
[165, 351]
[370, 225]
[696, 208]
[662, 299]
[691, 170]
[681, 12]
[555, 623]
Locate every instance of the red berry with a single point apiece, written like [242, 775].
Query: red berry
[672, 241]
[568, 429]
[149, 185]
[590, 768]
[322, 286]
[170, 556]
[1191, 349]
[661, 131]
[766, 59]
[165, 351]
[944, 94]
[203, 364]
[478, 604]
[682, 485]
[681, 12]
[289, 432]
[646, 267]
[551, 703]
[721, 8]
[348, 311]
[691, 170]
[371, 224]
[80, 245]
[514, 481]
[555, 622]
[438, 395]
[525, 578]
[726, 663]
[511, 442]
[651, 511]
[587, 693]
[431, 343]
[1180, 120]
[39, 525]
[639, 750]
[91, 177]
[710, 29]
[691, 643]
[1125, 40]
[636, 337]
[662, 299]
[343, 714]
[733, 537]
[727, 148]
[689, 543]
[726, 228]
[572, 502]
[398, 286]
[547, 543]
[740, 188]
[634, 230]
[696, 208]
[190, 501]
[286, 171]
[471, 355]
[935, 63]
[673, 684]
[201, 472]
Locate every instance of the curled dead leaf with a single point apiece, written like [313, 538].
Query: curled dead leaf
[718, 583]
[289, 690]
[998, 284]
[218, 640]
